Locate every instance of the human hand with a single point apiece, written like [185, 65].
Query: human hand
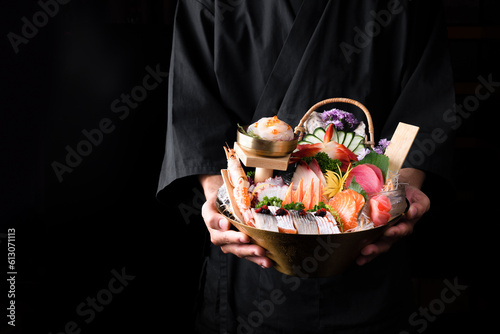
[419, 205]
[230, 241]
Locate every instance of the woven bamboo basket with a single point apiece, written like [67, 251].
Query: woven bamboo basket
[299, 129]
[312, 255]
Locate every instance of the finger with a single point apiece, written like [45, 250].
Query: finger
[371, 251]
[220, 237]
[400, 230]
[264, 262]
[249, 252]
[212, 217]
[244, 250]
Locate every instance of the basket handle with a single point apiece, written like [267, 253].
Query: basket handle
[299, 129]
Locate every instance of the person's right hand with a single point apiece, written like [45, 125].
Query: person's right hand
[218, 226]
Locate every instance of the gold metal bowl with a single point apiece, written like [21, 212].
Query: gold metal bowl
[304, 255]
[265, 148]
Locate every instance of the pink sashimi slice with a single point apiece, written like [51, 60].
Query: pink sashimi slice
[367, 177]
[317, 170]
[377, 171]
[306, 173]
[380, 206]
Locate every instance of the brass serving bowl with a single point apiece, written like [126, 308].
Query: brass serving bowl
[304, 255]
[265, 148]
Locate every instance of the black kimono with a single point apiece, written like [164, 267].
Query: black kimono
[236, 61]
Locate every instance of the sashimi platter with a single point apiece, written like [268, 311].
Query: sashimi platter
[314, 196]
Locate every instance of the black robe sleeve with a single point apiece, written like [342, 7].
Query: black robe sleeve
[198, 124]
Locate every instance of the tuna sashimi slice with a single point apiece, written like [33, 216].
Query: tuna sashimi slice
[380, 206]
[368, 178]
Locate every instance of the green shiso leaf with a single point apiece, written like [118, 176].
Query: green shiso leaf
[357, 188]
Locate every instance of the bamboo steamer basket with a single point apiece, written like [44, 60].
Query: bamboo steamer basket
[311, 255]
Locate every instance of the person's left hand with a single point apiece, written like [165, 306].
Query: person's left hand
[419, 204]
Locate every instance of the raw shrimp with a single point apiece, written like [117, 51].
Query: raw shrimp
[239, 181]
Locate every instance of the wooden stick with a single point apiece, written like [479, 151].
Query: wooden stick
[401, 141]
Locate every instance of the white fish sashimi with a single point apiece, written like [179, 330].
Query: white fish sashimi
[264, 221]
[285, 222]
[269, 190]
[275, 181]
[327, 224]
[305, 224]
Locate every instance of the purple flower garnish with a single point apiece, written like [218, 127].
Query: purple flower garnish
[383, 143]
[339, 119]
[363, 154]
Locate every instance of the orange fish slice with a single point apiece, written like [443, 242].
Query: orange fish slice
[347, 204]
[299, 192]
[288, 195]
[307, 200]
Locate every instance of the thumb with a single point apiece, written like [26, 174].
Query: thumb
[224, 225]
[213, 219]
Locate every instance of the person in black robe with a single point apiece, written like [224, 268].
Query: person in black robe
[236, 61]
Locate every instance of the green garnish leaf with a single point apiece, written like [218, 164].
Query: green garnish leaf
[325, 162]
[248, 133]
[294, 206]
[357, 188]
[273, 201]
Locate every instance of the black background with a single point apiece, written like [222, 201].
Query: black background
[104, 216]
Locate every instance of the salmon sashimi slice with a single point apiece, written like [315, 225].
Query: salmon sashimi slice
[299, 192]
[318, 194]
[347, 205]
[288, 195]
[307, 200]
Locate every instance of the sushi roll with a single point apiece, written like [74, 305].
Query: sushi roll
[304, 222]
[326, 223]
[284, 219]
[265, 220]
